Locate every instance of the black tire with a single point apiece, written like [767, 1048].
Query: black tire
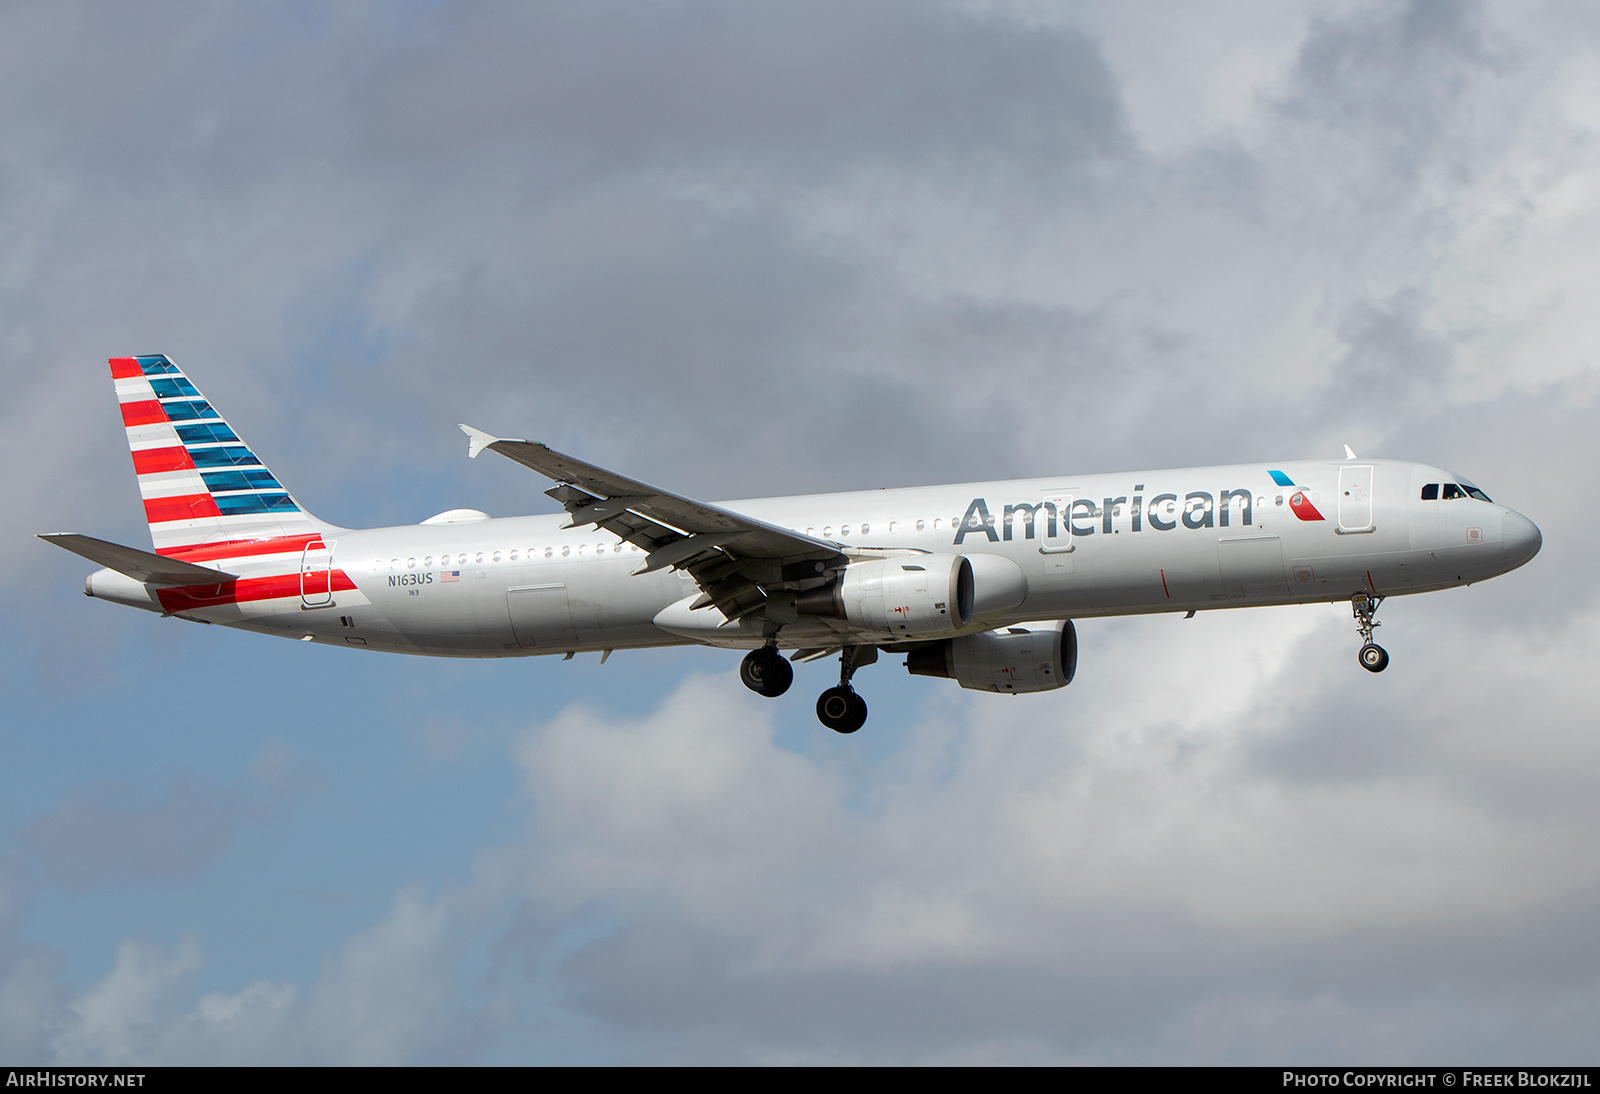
[766, 672]
[1373, 658]
[841, 710]
[858, 713]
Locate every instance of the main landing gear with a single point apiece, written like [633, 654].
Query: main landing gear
[840, 708]
[1373, 657]
[766, 672]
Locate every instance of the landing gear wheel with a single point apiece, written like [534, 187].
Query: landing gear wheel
[766, 672]
[841, 710]
[1373, 657]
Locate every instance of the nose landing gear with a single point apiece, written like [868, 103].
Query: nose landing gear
[1373, 657]
[840, 708]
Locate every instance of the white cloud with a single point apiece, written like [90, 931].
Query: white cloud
[117, 1020]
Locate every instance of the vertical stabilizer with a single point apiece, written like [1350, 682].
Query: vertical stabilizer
[202, 485]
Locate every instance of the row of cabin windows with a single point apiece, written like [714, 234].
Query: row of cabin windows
[845, 532]
[1452, 491]
[484, 557]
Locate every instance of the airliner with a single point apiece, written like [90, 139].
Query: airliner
[978, 583]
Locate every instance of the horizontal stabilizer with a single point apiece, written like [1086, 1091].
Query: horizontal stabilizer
[143, 566]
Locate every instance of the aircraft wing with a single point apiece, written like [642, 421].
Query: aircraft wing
[734, 559]
[144, 566]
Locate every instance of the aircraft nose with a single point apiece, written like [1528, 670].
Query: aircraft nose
[1521, 539]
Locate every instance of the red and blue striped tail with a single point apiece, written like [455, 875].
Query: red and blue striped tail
[202, 486]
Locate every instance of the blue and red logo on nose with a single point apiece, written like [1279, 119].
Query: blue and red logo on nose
[1298, 502]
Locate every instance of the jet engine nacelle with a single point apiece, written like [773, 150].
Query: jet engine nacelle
[913, 595]
[1027, 657]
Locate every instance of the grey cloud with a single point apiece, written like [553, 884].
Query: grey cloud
[104, 834]
[1135, 1010]
[1391, 358]
[604, 87]
[1388, 76]
[94, 837]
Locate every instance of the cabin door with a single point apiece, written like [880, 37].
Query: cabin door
[316, 575]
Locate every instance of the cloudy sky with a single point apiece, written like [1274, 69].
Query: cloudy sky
[746, 249]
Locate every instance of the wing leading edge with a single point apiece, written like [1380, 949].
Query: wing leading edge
[736, 560]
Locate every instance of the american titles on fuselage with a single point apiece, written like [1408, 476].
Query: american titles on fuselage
[1061, 516]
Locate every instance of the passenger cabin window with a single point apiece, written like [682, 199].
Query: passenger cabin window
[1430, 492]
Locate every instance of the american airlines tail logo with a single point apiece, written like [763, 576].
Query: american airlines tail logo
[1299, 504]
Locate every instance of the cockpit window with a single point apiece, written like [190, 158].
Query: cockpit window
[1453, 490]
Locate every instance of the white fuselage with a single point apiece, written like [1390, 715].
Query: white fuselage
[1089, 545]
